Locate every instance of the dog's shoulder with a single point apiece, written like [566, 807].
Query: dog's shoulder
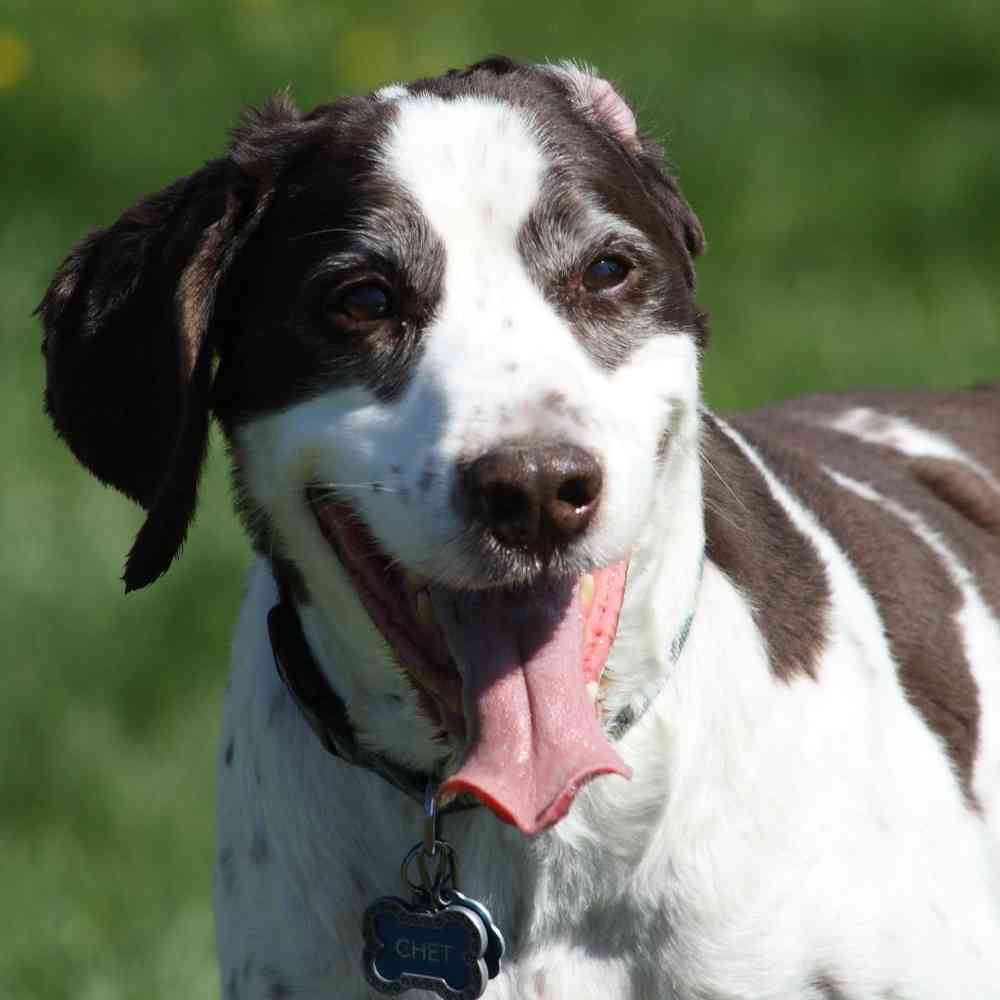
[907, 485]
[936, 453]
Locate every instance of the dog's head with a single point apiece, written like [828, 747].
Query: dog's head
[449, 331]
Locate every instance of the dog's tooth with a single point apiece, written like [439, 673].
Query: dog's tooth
[425, 610]
[587, 589]
[593, 689]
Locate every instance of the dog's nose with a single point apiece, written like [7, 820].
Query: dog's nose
[533, 496]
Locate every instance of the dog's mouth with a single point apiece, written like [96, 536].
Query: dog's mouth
[512, 675]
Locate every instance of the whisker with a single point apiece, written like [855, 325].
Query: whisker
[723, 515]
[333, 231]
[328, 491]
[718, 475]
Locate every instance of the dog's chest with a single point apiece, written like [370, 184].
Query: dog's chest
[296, 923]
[305, 847]
[305, 844]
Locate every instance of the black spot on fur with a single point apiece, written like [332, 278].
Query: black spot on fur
[226, 869]
[427, 477]
[277, 704]
[555, 401]
[360, 881]
[260, 848]
[663, 444]
[828, 987]
[276, 984]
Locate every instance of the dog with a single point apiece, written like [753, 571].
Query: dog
[684, 706]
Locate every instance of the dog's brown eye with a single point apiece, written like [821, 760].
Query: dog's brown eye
[366, 303]
[606, 272]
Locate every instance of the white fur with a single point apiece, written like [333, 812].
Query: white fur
[980, 631]
[908, 438]
[775, 836]
[393, 92]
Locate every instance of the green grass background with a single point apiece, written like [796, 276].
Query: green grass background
[843, 155]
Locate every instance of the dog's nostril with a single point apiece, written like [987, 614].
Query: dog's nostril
[506, 504]
[579, 491]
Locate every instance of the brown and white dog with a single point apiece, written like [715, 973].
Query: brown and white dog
[449, 332]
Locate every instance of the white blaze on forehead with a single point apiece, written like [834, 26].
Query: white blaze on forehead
[474, 168]
[472, 165]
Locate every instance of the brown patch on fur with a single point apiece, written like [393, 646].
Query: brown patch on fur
[752, 540]
[960, 487]
[915, 595]
[968, 417]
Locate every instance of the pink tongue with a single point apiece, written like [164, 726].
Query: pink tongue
[533, 737]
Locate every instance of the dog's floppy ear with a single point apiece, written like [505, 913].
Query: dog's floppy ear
[600, 101]
[128, 338]
[127, 346]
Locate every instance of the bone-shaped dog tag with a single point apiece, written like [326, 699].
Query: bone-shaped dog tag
[413, 947]
[495, 943]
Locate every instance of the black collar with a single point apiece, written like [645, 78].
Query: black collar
[327, 715]
[324, 709]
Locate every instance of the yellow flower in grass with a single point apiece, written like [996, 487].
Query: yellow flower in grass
[15, 57]
[369, 56]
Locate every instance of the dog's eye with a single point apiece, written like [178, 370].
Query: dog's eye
[606, 272]
[369, 302]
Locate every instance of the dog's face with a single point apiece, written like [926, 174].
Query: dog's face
[456, 346]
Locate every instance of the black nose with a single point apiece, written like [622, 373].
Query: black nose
[537, 497]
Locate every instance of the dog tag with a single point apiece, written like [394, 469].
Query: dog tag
[495, 944]
[409, 946]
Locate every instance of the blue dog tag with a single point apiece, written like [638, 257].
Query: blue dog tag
[495, 943]
[412, 947]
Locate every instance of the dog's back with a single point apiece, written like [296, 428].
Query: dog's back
[908, 484]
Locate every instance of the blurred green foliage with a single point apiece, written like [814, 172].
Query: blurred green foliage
[843, 155]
